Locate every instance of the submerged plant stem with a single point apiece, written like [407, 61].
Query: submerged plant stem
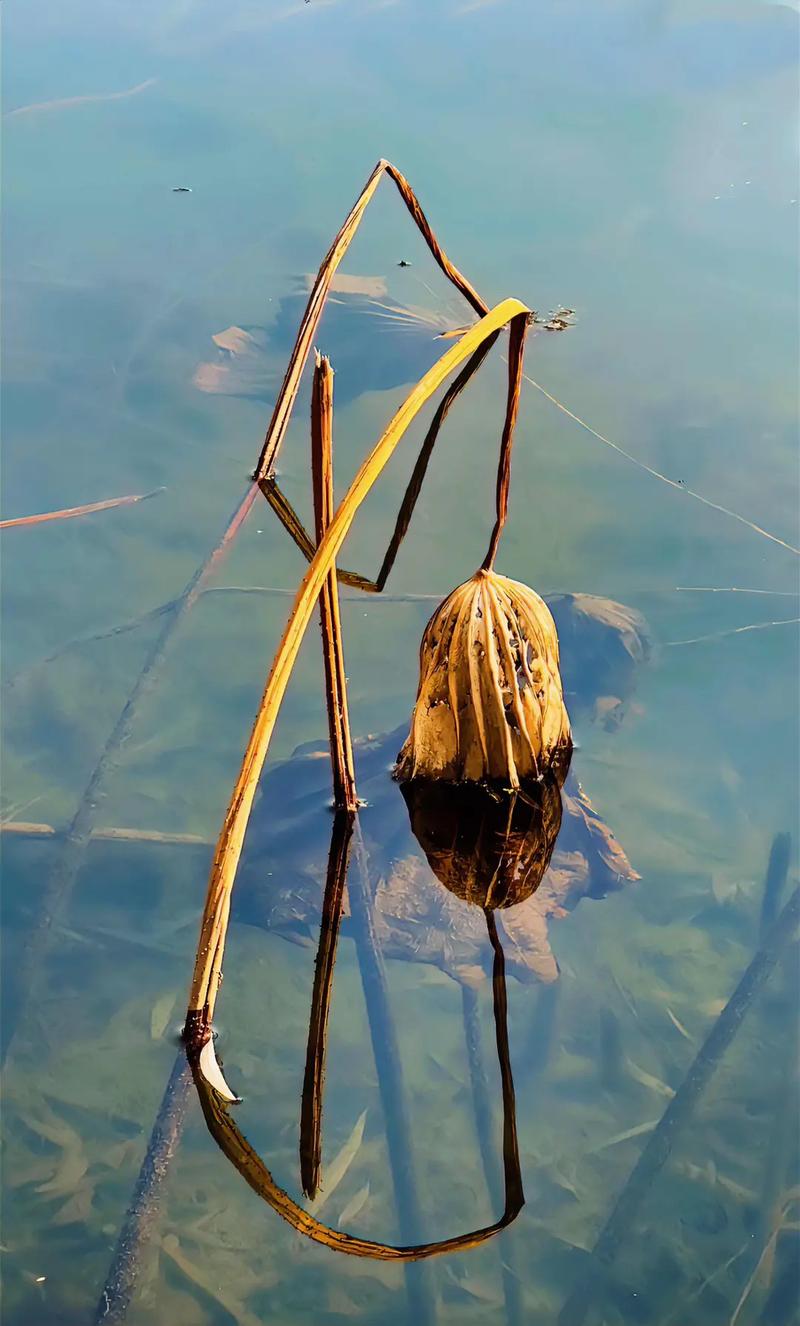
[61, 878]
[143, 1211]
[678, 1114]
[69, 512]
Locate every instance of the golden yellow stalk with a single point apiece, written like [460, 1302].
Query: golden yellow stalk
[208, 964]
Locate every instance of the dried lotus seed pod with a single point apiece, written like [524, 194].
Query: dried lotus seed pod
[490, 703]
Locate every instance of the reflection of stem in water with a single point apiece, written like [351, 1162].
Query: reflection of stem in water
[61, 878]
[482, 1109]
[678, 1113]
[143, 1210]
[313, 1082]
[515, 1197]
[386, 1053]
[249, 1164]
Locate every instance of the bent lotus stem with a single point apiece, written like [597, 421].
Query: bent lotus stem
[319, 294]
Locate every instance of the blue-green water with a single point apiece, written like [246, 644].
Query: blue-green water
[635, 162]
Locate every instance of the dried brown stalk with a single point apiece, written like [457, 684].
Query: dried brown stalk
[69, 512]
[516, 352]
[420, 469]
[288, 517]
[344, 782]
[319, 294]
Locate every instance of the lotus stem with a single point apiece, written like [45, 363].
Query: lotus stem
[319, 294]
[344, 778]
[516, 351]
[144, 1208]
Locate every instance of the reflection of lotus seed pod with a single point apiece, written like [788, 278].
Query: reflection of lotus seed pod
[490, 703]
[489, 848]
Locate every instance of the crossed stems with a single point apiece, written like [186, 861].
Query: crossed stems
[321, 583]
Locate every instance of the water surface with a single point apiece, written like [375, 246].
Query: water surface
[634, 162]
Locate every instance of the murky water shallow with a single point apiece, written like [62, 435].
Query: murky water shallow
[635, 163]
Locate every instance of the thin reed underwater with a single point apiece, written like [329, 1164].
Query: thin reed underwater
[545, 1041]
